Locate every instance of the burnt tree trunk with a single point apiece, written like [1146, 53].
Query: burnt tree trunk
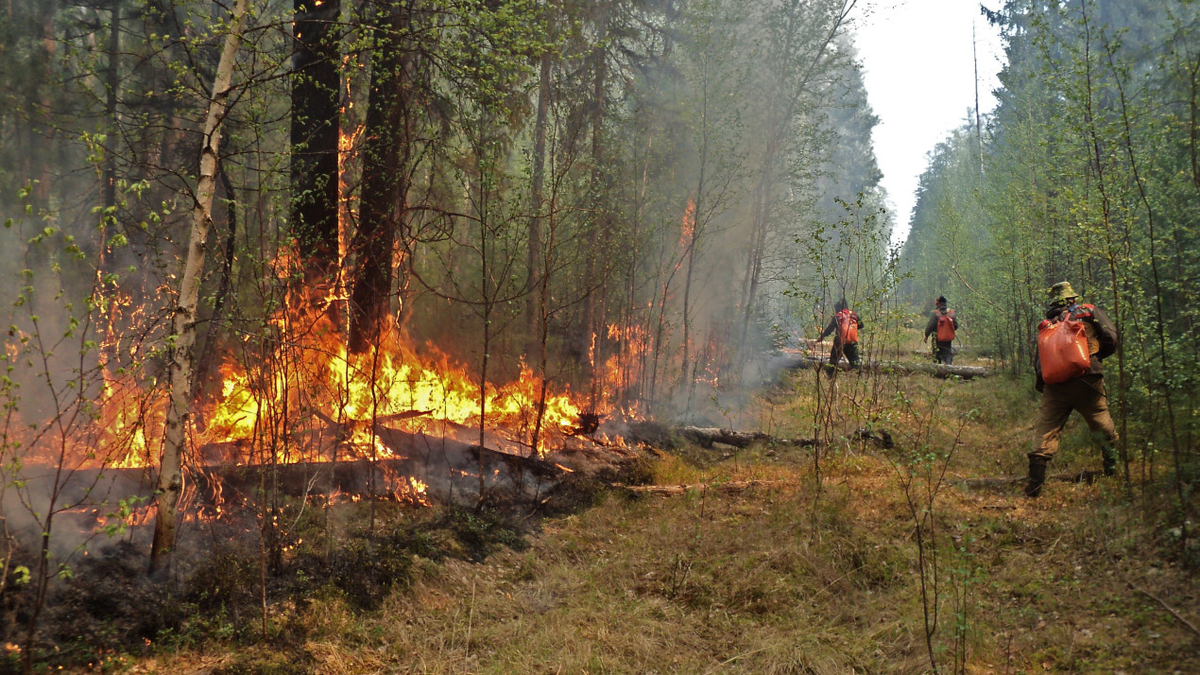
[593, 315]
[314, 136]
[209, 356]
[388, 143]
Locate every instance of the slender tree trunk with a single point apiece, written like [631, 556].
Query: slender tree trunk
[488, 301]
[591, 316]
[109, 188]
[685, 364]
[1110, 250]
[112, 81]
[978, 119]
[1161, 327]
[761, 220]
[533, 300]
[696, 205]
[42, 157]
[1194, 119]
[543, 323]
[183, 323]
[208, 355]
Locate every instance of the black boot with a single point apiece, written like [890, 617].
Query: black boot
[1037, 476]
[1110, 465]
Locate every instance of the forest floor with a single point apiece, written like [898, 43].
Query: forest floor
[860, 559]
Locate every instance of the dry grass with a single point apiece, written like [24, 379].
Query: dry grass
[808, 576]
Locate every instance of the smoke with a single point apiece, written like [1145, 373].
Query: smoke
[69, 509]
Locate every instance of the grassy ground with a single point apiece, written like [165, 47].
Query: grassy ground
[861, 559]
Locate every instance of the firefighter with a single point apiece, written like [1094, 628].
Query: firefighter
[1083, 391]
[844, 327]
[942, 325]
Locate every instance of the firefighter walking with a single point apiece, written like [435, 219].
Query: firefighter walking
[942, 326]
[844, 326]
[1072, 341]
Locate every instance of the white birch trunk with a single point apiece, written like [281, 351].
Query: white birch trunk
[182, 339]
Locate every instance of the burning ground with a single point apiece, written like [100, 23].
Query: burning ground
[768, 559]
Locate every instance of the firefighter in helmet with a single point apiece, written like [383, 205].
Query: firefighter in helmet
[1066, 387]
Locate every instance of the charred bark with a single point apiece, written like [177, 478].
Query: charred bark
[658, 435]
[707, 436]
[314, 136]
[209, 356]
[593, 311]
[388, 143]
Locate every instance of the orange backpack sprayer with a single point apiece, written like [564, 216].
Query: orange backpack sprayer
[847, 326]
[1063, 349]
[945, 326]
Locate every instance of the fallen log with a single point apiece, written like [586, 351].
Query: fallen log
[707, 436]
[728, 487]
[442, 469]
[803, 361]
[658, 435]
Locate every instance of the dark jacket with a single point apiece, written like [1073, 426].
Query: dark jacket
[931, 327]
[832, 327]
[1101, 334]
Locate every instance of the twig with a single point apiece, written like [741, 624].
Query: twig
[1134, 587]
[954, 268]
[1191, 626]
[735, 657]
[470, 619]
[830, 584]
[1053, 545]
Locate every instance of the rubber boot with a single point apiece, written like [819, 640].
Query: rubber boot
[1110, 464]
[1037, 476]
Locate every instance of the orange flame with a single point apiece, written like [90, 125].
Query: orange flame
[688, 228]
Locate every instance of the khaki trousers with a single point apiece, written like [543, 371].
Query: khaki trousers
[1085, 394]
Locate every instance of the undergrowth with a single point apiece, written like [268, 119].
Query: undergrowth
[799, 571]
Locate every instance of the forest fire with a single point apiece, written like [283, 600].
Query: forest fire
[265, 407]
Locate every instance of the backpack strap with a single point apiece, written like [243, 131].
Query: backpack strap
[1082, 311]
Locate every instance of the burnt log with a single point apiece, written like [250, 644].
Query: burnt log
[447, 469]
[661, 436]
[707, 436]
[804, 361]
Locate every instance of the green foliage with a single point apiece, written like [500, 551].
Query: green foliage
[1087, 172]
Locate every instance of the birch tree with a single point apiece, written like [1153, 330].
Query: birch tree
[182, 338]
